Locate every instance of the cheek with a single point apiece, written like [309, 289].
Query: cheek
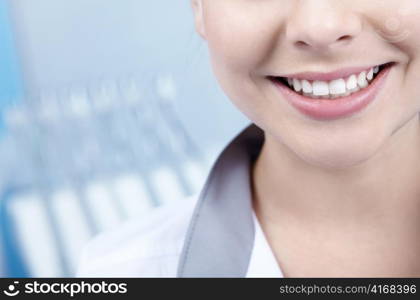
[398, 24]
[239, 41]
[403, 30]
[410, 90]
[240, 36]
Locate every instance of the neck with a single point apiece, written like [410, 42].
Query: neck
[383, 190]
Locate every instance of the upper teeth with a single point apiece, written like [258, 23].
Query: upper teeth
[334, 88]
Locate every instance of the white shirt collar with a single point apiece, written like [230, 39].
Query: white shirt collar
[263, 262]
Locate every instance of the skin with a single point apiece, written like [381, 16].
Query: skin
[338, 197]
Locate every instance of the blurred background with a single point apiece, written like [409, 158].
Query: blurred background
[108, 109]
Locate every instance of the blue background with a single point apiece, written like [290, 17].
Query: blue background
[65, 124]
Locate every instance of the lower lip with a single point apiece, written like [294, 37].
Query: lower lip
[325, 109]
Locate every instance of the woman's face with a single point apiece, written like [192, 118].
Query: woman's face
[250, 40]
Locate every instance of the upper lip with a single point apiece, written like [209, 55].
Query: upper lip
[328, 76]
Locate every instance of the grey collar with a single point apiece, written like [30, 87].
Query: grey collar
[220, 235]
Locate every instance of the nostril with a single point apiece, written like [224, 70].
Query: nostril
[301, 44]
[344, 38]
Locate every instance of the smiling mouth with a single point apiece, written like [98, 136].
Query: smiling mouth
[332, 89]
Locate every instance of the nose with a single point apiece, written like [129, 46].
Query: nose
[321, 25]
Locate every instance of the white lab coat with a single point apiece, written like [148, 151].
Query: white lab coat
[211, 234]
